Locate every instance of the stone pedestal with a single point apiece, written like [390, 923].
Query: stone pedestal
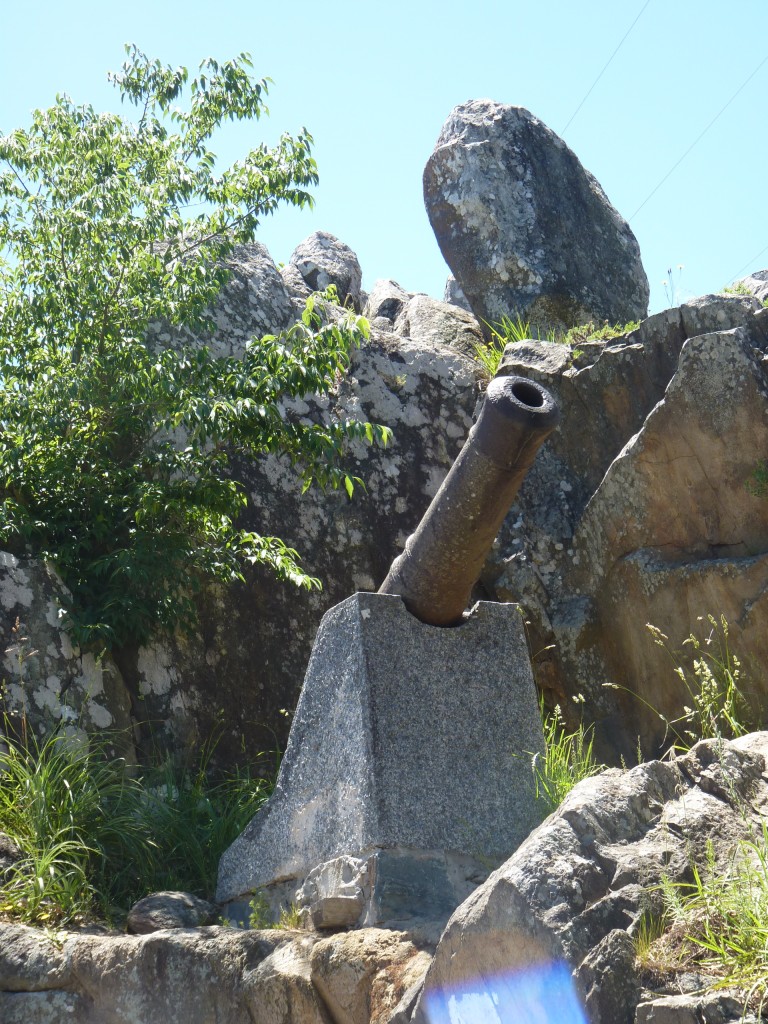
[407, 774]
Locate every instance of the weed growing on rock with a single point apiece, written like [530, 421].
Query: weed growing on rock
[719, 921]
[739, 288]
[757, 484]
[512, 330]
[713, 682]
[567, 759]
[591, 332]
[672, 287]
[261, 914]
[716, 706]
[508, 330]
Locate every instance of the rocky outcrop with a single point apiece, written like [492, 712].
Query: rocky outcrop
[524, 227]
[254, 302]
[386, 300]
[757, 284]
[322, 260]
[640, 509]
[205, 975]
[426, 319]
[453, 294]
[578, 887]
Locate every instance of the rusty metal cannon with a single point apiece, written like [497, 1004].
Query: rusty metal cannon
[413, 764]
[443, 559]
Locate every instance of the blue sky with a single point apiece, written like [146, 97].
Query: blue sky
[374, 84]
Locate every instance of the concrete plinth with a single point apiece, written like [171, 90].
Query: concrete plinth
[409, 739]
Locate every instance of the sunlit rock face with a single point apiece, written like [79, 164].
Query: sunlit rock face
[574, 894]
[524, 227]
[645, 507]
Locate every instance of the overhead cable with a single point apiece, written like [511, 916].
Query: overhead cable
[749, 264]
[699, 137]
[605, 67]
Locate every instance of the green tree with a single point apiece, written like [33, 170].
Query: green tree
[114, 454]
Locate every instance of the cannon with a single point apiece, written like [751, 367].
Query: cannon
[443, 558]
[405, 753]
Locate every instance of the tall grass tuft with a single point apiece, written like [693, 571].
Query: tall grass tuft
[510, 330]
[95, 838]
[567, 759]
[716, 707]
[723, 918]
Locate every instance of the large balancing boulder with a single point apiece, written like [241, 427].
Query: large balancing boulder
[524, 227]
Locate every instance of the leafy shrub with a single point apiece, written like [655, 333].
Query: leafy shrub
[115, 457]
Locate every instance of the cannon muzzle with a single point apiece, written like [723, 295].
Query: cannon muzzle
[443, 559]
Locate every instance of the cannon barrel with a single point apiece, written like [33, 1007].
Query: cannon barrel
[443, 559]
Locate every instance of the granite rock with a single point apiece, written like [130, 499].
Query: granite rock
[576, 890]
[322, 260]
[170, 910]
[204, 977]
[524, 227]
[47, 680]
[425, 319]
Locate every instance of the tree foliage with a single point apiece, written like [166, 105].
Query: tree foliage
[114, 455]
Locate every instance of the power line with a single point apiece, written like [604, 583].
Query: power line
[699, 137]
[605, 67]
[749, 263]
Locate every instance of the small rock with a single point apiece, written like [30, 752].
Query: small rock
[757, 283]
[170, 910]
[454, 295]
[9, 854]
[323, 260]
[386, 299]
[336, 911]
[711, 1008]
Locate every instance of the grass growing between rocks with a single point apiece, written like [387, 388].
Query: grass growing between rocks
[94, 838]
[515, 329]
[567, 759]
[711, 673]
[717, 925]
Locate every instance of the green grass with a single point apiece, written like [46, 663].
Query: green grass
[757, 484]
[567, 759]
[711, 673]
[95, 838]
[510, 330]
[718, 923]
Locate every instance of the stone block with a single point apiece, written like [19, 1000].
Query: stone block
[407, 737]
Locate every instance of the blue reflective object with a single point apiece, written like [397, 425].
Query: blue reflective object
[544, 994]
